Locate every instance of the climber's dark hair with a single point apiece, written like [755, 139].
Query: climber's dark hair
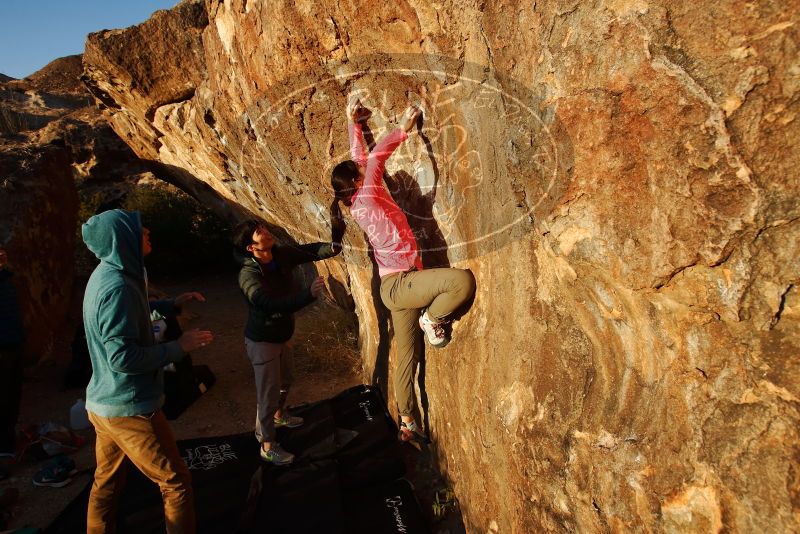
[242, 235]
[343, 179]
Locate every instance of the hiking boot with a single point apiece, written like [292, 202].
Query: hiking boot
[434, 332]
[289, 421]
[412, 432]
[277, 455]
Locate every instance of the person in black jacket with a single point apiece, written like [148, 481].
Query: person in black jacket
[11, 339]
[266, 283]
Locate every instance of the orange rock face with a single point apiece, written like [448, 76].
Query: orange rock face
[622, 180]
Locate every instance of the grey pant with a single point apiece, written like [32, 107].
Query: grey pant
[272, 367]
[442, 291]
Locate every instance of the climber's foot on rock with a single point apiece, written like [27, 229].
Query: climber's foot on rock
[435, 332]
[411, 432]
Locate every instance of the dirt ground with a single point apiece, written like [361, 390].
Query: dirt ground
[326, 362]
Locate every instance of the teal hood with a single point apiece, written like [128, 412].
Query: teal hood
[115, 237]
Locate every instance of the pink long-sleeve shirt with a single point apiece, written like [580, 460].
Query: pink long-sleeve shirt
[393, 243]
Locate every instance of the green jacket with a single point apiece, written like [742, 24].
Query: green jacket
[268, 290]
[127, 375]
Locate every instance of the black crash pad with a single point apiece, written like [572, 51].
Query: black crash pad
[184, 385]
[346, 478]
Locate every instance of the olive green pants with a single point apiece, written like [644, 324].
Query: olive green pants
[405, 294]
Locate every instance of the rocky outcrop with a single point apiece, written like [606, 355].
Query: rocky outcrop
[39, 207]
[53, 104]
[45, 96]
[620, 177]
[54, 143]
[38, 195]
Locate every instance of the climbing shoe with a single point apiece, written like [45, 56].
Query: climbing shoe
[434, 332]
[276, 455]
[289, 421]
[412, 432]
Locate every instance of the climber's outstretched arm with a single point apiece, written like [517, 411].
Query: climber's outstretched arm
[387, 145]
[358, 149]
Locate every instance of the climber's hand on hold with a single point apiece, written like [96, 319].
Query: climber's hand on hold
[410, 118]
[356, 111]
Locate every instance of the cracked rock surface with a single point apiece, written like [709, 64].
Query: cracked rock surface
[619, 175]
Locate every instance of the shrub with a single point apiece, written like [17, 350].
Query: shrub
[187, 237]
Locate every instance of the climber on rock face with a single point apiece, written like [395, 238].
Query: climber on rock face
[266, 283]
[416, 297]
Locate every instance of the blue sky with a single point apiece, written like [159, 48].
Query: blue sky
[35, 32]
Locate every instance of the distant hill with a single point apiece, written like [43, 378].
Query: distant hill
[60, 76]
[4, 78]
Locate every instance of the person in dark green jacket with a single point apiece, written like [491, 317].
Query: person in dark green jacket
[266, 283]
[126, 392]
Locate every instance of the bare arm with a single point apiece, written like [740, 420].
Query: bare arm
[377, 158]
[358, 149]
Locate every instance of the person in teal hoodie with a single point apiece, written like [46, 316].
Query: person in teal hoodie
[126, 391]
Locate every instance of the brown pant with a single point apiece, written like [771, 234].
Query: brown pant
[148, 441]
[441, 291]
[272, 367]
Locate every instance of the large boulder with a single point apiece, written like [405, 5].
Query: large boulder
[57, 149]
[54, 142]
[39, 208]
[621, 179]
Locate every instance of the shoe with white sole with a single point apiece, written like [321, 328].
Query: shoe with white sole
[434, 332]
[412, 432]
[276, 455]
[289, 421]
[56, 473]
